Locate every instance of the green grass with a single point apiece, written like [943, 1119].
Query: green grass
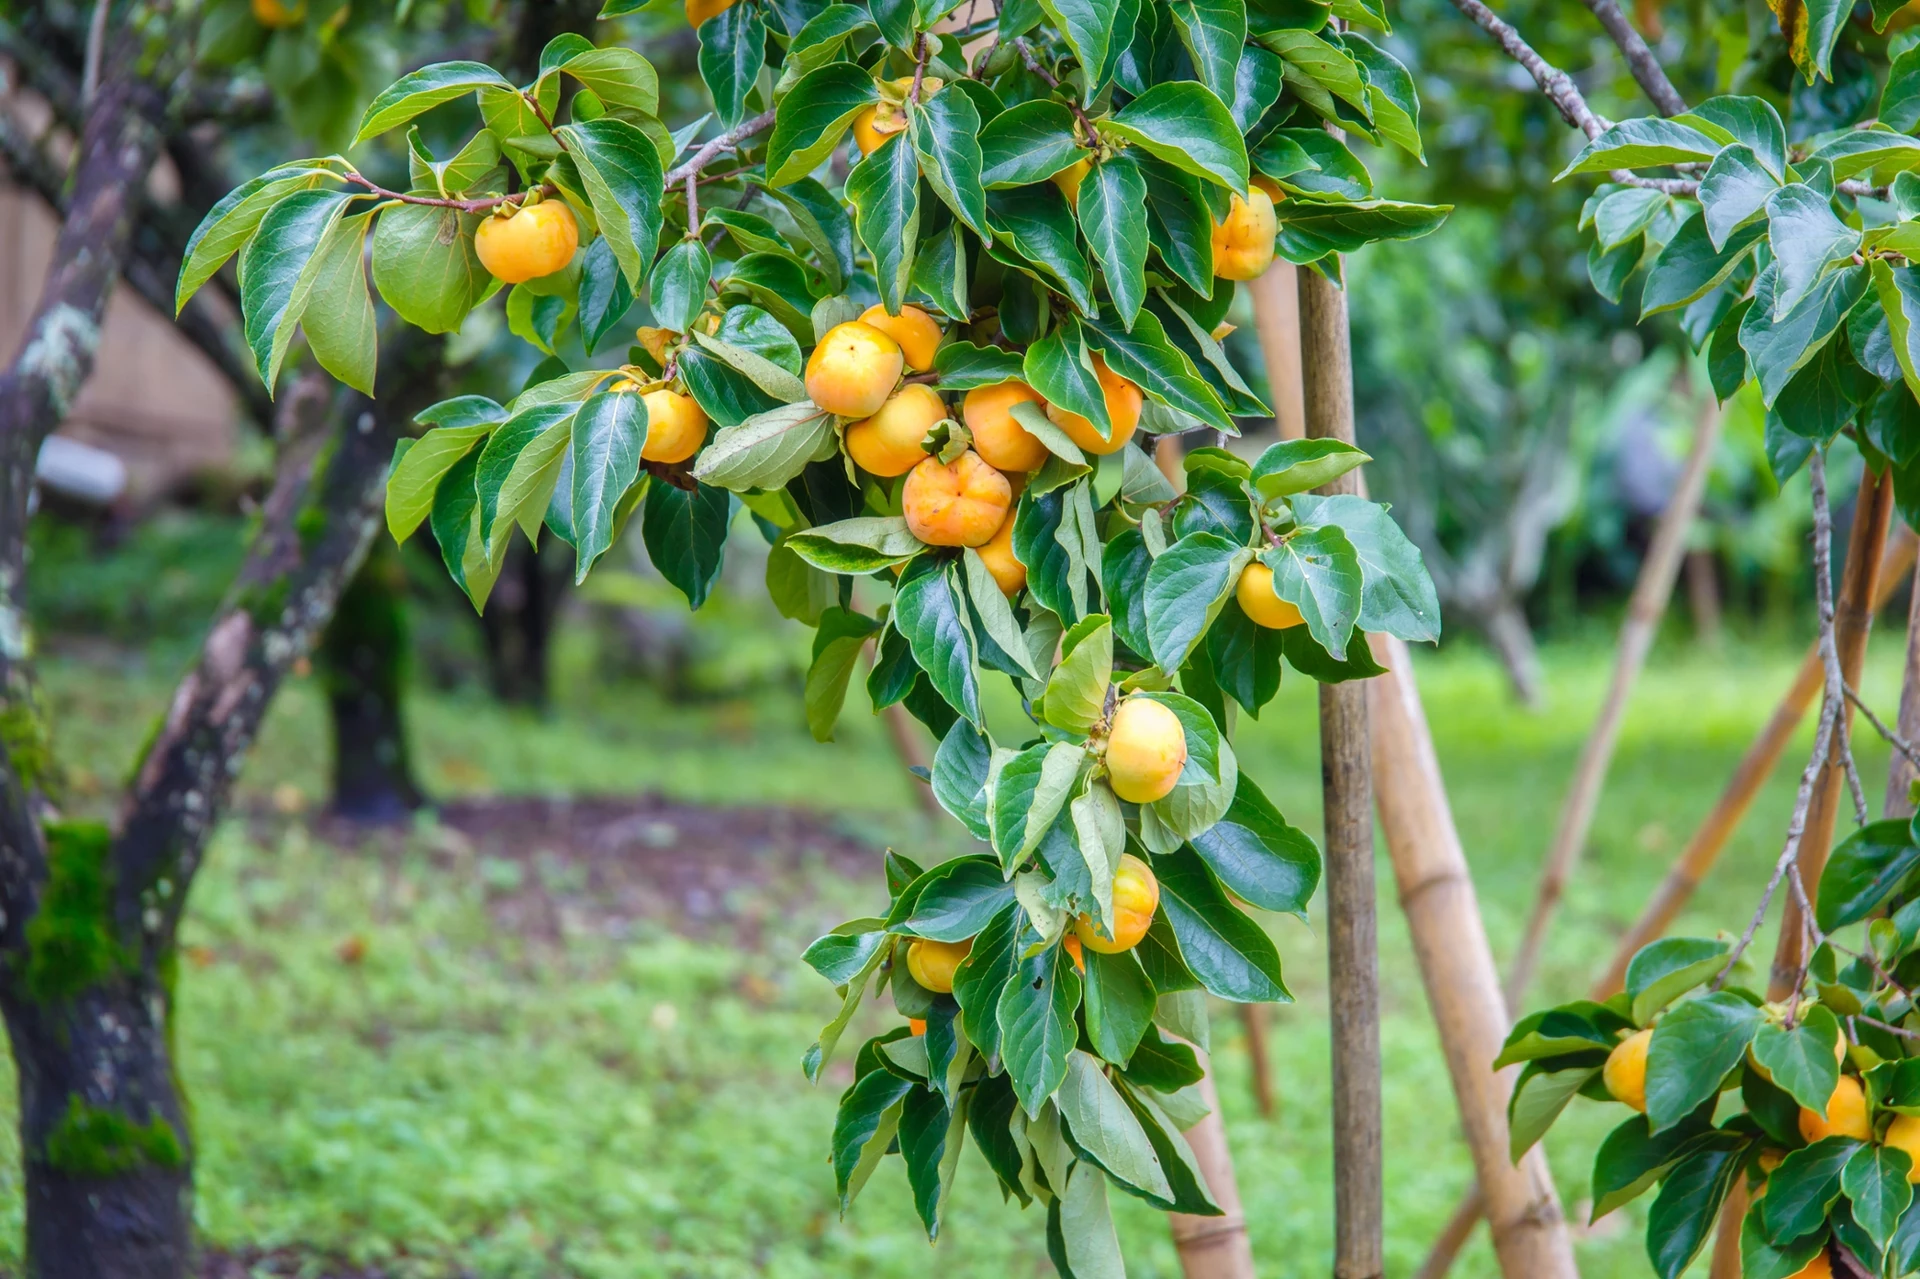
[470, 1100]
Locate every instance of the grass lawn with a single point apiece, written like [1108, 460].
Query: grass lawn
[622, 1095]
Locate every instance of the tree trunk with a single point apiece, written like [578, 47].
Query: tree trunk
[1649, 603]
[518, 624]
[103, 1131]
[363, 659]
[1353, 973]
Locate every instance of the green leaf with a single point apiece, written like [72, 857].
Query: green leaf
[417, 474]
[1228, 952]
[846, 952]
[1088, 28]
[732, 50]
[620, 168]
[1750, 122]
[1662, 971]
[1255, 852]
[1685, 1211]
[962, 366]
[1213, 31]
[1626, 213]
[1864, 871]
[1801, 1060]
[1076, 692]
[686, 535]
[885, 191]
[836, 650]
[1037, 224]
[1640, 144]
[1898, 289]
[929, 611]
[1580, 1027]
[814, 116]
[1036, 1024]
[1028, 143]
[960, 898]
[677, 289]
[1256, 87]
[766, 451]
[864, 544]
[519, 468]
[1119, 1003]
[1780, 346]
[1632, 1158]
[1318, 571]
[1900, 100]
[945, 130]
[423, 90]
[338, 317]
[1180, 223]
[1803, 1189]
[1334, 171]
[1538, 1098]
[1080, 1219]
[1319, 71]
[960, 770]
[1183, 123]
[1310, 230]
[862, 1124]
[456, 528]
[981, 979]
[276, 273]
[1185, 589]
[1807, 238]
[1875, 1180]
[1761, 1258]
[1028, 794]
[1391, 96]
[604, 295]
[1690, 267]
[1693, 1048]
[1397, 596]
[1113, 213]
[1059, 368]
[773, 378]
[1146, 358]
[232, 222]
[608, 434]
[620, 78]
[1105, 1130]
[1297, 466]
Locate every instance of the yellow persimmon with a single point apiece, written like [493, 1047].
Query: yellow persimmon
[1904, 1134]
[853, 370]
[527, 243]
[1136, 895]
[1625, 1074]
[959, 503]
[278, 13]
[917, 333]
[1070, 178]
[1254, 593]
[932, 963]
[997, 435]
[698, 11]
[676, 426]
[888, 443]
[1846, 1114]
[1243, 243]
[997, 552]
[1146, 749]
[1123, 408]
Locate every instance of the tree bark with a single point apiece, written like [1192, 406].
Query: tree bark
[518, 626]
[363, 663]
[1353, 974]
[1456, 967]
[1644, 611]
[1213, 1247]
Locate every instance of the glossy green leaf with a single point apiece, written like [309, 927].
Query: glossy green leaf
[1184, 124]
[1863, 872]
[686, 536]
[604, 451]
[423, 90]
[1232, 957]
[1113, 214]
[620, 169]
[1693, 1048]
[1036, 1024]
[946, 134]
[885, 191]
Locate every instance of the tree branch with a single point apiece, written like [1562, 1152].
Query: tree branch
[1555, 83]
[731, 140]
[1646, 68]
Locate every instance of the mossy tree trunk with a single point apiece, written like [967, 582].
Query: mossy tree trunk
[362, 660]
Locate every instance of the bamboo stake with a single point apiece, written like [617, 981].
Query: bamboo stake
[1253, 1020]
[1213, 1247]
[1900, 772]
[1649, 603]
[1353, 975]
[1276, 320]
[1456, 965]
[1699, 856]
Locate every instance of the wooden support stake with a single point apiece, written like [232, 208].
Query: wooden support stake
[1699, 856]
[1900, 771]
[1276, 320]
[1253, 1020]
[1353, 975]
[1213, 1247]
[1650, 595]
[1456, 966]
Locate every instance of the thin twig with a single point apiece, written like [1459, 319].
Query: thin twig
[1829, 650]
[96, 46]
[1052, 81]
[485, 205]
[1901, 1031]
[693, 204]
[920, 52]
[1893, 739]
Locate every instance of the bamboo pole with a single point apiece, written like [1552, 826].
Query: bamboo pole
[1253, 1020]
[1900, 771]
[1213, 1247]
[1699, 856]
[1353, 975]
[1456, 965]
[1276, 320]
[1649, 603]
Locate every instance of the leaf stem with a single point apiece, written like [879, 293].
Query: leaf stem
[486, 205]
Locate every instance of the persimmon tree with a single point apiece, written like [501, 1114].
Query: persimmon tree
[917, 305]
[1782, 244]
